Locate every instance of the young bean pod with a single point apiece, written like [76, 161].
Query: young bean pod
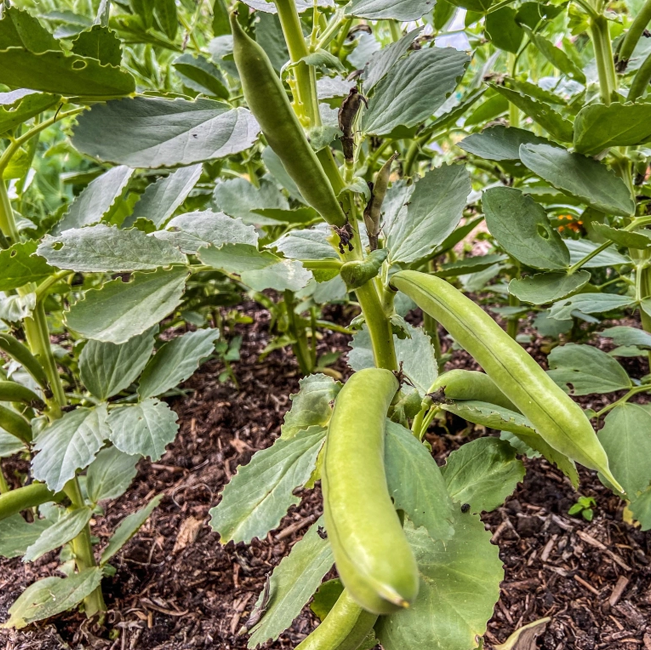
[267, 99]
[22, 498]
[359, 272]
[15, 424]
[344, 628]
[466, 385]
[20, 352]
[10, 391]
[373, 557]
[555, 416]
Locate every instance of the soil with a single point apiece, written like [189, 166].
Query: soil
[177, 588]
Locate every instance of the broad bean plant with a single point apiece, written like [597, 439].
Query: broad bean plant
[323, 152]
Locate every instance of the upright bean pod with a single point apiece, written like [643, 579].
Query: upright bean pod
[344, 628]
[555, 416]
[373, 557]
[267, 99]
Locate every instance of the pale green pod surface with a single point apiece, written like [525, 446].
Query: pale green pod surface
[344, 628]
[266, 97]
[555, 416]
[459, 384]
[373, 558]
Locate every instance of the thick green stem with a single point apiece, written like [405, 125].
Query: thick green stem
[622, 400]
[641, 81]
[635, 32]
[4, 486]
[305, 76]
[25, 497]
[379, 327]
[38, 338]
[604, 56]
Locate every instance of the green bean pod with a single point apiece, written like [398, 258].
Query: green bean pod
[15, 424]
[22, 498]
[20, 352]
[267, 99]
[10, 391]
[466, 385]
[555, 416]
[344, 628]
[372, 555]
[357, 272]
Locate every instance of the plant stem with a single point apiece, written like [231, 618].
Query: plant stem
[305, 77]
[622, 400]
[4, 486]
[604, 56]
[301, 347]
[635, 32]
[38, 338]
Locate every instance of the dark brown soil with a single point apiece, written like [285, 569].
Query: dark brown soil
[177, 588]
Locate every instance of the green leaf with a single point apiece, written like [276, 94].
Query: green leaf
[413, 89]
[259, 495]
[501, 419]
[110, 474]
[151, 132]
[402, 10]
[626, 437]
[557, 57]
[640, 239]
[292, 583]
[311, 406]
[120, 310]
[641, 509]
[56, 72]
[258, 270]
[309, 244]
[433, 212]
[50, 596]
[622, 335]
[415, 482]
[523, 230]
[238, 197]
[598, 127]
[16, 535]
[579, 248]
[145, 428]
[16, 308]
[503, 29]
[176, 361]
[98, 200]
[18, 106]
[107, 368]
[128, 527]
[69, 444]
[102, 248]
[19, 28]
[199, 74]
[556, 125]
[483, 473]
[58, 534]
[547, 287]
[161, 199]
[10, 445]
[584, 370]
[415, 353]
[459, 586]
[19, 265]
[579, 176]
[381, 61]
[499, 142]
[220, 24]
[99, 43]
[589, 303]
[165, 11]
[194, 230]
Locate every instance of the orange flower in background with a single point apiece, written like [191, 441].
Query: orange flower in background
[576, 225]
